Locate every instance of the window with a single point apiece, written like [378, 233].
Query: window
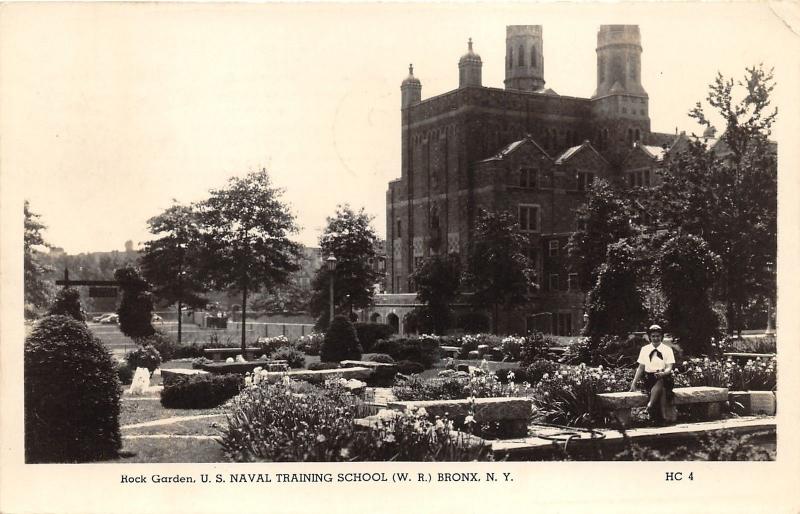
[638, 135]
[529, 177]
[554, 281]
[521, 55]
[510, 57]
[399, 227]
[533, 56]
[639, 178]
[553, 248]
[529, 218]
[572, 282]
[585, 179]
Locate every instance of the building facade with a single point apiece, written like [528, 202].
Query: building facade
[524, 149]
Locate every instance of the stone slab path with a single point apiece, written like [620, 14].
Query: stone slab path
[169, 421]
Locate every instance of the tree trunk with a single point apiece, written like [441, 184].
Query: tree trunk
[179, 321]
[495, 319]
[244, 317]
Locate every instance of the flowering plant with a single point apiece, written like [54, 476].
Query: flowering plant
[568, 395]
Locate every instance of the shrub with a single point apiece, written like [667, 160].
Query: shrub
[263, 420]
[144, 357]
[341, 342]
[567, 397]
[72, 394]
[200, 391]
[166, 346]
[368, 333]
[294, 357]
[319, 366]
[517, 375]
[754, 375]
[311, 343]
[124, 373]
[423, 349]
[409, 367]
[270, 344]
[539, 368]
[512, 348]
[579, 351]
[67, 303]
[533, 347]
[381, 357]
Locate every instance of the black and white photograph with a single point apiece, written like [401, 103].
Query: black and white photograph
[430, 246]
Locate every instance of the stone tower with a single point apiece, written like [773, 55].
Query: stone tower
[469, 68]
[410, 89]
[524, 58]
[620, 103]
[619, 60]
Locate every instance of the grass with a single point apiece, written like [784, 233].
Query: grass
[140, 411]
[204, 426]
[175, 450]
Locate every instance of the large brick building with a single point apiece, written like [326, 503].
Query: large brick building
[524, 149]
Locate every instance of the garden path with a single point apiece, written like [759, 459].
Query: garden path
[169, 421]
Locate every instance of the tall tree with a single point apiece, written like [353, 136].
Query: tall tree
[37, 290]
[245, 238]
[615, 304]
[437, 281]
[604, 219]
[728, 196]
[171, 263]
[350, 238]
[289, 297]
[500, 271]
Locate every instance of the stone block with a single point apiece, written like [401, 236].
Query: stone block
[450, 351]
[687, 395]
[380, 368]
[474, 355]
[169, 376]
[622, 400]
[748, 403]
[319, 376]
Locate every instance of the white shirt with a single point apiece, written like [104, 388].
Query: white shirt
[656, 363]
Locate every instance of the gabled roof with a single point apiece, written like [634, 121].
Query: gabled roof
[508, 149]
[574, 150]
[656, 152]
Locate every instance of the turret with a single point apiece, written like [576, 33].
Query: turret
[619, 61]
[410, 89]
[469, 68]
[524, 57]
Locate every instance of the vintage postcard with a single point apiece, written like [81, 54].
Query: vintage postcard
[428, 257]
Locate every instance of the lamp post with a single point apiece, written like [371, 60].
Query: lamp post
[331, 263]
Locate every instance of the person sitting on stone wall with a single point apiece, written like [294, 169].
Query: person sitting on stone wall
[655, 366]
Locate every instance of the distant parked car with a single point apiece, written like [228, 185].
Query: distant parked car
[110, 318]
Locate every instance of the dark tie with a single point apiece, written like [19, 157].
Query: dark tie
[656, 352]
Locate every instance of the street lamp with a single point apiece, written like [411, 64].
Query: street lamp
[331, 263]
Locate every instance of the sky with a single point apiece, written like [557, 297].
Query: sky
[111, 111]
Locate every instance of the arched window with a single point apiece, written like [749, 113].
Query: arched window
[630, 137]
[510, 57]
[521, 55]
[533, 56]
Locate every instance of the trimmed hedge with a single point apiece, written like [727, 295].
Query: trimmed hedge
[201, 391]
[409, 367]
[144, 357]
[294, 357]
[369, 333]
[424, 350]
[381, 358]
[319, 366]
[72, 394]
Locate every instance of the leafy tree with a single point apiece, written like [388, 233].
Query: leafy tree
[437, 281]
[245, 238]
[289, 297]
[67, 303]
[37, 290]
[615, 303]
[172, 262]
[136, 307]
[728, 197]
[350, 238]
[603, 220]
[688, 269]
[500, 271]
